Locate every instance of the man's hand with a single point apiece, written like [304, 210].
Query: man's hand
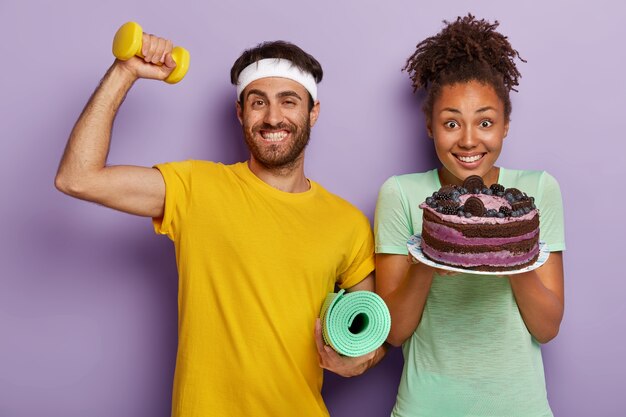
[157, 62]
[334, 362]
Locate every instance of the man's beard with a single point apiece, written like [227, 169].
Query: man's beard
[273, 156]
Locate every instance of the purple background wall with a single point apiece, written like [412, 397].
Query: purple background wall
[88, 295]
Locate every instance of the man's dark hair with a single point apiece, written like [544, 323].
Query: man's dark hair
[465, 50]
[282, 50]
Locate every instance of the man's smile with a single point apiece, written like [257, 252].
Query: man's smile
[274, 136]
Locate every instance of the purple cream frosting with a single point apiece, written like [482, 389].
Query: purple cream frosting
[448, 234]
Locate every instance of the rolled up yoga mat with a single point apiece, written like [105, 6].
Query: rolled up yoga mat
[354, 323]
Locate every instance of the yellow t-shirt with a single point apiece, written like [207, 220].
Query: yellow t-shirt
[254, 265]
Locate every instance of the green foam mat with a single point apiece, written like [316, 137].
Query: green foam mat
[354, 323]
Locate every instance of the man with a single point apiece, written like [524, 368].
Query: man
[258, 245]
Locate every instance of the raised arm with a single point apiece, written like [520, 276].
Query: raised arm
[83, 172]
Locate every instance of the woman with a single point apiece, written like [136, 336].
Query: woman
[471, 343]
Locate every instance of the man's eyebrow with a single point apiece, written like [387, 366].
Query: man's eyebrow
[282, 94]
[256, 92]
[288, 93]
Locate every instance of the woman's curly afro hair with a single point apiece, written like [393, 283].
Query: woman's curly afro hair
[465, 50]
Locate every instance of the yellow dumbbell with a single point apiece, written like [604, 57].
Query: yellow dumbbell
[127, 43]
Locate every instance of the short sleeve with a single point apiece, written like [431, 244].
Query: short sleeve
[361, 259]
[550, 206]
[392, 227]
[177, 177]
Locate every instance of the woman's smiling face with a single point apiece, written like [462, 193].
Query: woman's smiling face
[468, 126]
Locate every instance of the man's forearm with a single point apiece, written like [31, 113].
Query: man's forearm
[88, 144]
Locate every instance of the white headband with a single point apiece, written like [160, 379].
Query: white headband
[276, 67]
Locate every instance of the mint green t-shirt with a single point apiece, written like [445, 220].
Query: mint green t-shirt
[471, 355]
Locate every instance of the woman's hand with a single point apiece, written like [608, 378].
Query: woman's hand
[413, 261]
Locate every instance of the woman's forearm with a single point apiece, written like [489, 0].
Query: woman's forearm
[541, 308]
[406, 302]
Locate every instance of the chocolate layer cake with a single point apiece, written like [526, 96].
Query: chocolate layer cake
[479, 228]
